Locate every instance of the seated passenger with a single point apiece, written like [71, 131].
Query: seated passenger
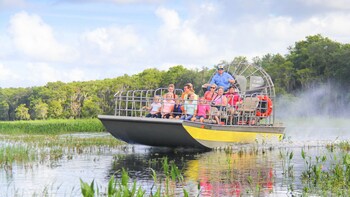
[167, 106]
[171, 90]
[233, 99]
[188, 89]
[190, 108]
[218, 104]
[154, 108]
[210, 94]
[177, 112]
[185, 93]
[203, 108]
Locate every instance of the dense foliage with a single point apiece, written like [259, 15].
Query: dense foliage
[311, 62]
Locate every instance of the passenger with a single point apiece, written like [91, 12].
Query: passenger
[222, 78]
[188, 89]
[210, 94]
[218, 104]
[167, 106]
[177, 112]
[171, 90]
[233, 99]
[154, 108]
[203, 108]
[190, 108]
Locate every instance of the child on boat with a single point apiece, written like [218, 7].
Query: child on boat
[177, 112]
[154, 108]
[202, 110]
[167, 106]
[190, 108]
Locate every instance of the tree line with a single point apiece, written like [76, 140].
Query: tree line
[311, 62]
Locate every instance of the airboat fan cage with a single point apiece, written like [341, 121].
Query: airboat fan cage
[250, 78]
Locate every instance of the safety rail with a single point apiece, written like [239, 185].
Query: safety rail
[252, 110]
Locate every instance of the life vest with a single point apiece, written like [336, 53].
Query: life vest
[265, 106]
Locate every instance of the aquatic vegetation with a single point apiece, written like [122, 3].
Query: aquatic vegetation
[53, 126]
[27, 149]
[124, 187]
[323, 178]
[67, 141]
[258, 170]
[342, 145]
[19, 154]
[115, 187]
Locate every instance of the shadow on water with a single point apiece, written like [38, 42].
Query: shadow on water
[143, 158]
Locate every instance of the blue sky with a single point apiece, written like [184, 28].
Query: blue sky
[76, 40]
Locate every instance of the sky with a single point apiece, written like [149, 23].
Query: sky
[78, 40]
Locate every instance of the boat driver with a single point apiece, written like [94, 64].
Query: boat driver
[222, 78]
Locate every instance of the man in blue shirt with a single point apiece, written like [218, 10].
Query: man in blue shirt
[222, 78]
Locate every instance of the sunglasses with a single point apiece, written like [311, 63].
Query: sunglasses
[212, 87]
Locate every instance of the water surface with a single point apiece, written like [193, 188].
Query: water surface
[263, 169]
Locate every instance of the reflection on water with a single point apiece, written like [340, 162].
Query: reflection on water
[246, 169]
[219, 173]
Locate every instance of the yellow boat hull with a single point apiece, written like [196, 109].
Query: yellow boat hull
[213, 136]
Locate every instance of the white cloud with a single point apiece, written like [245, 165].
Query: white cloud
[6, 74]
[134, 1]
[116, 1]
[112, 48]
[113, 40]
[12, 3]
[338, 4]
[40, 73]
[179, 38]
[278, 32]
[35, 39]
[191, 34]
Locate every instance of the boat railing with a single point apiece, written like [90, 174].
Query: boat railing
[132, 102]
[252, 110]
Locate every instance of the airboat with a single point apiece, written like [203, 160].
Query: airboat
[252, 122]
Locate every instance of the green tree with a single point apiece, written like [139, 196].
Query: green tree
[55, 109]
[90, 109]
[148, 79]
[21, 112]
[4, 110]
[312, 59]
[281, 71]
[40, 110]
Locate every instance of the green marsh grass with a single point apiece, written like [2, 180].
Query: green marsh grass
[53, 126]
[27, 149]
[18, 154]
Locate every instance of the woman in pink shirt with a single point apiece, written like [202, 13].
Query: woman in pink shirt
[220, 99]
[218, 104]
